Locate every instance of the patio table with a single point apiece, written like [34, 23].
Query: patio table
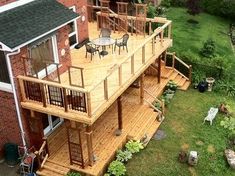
[103, 42]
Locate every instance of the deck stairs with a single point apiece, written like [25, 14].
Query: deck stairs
[53, 169]
[169, 73]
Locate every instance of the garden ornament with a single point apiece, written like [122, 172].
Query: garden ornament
[193, 158]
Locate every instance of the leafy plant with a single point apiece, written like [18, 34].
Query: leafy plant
[134, 146]
[117, 168]
[157, 105]
[225, 87]
[166, 3]
[193, 7]
[123, 156]
[229, 123]
[171, 85]
[208, 49]
[73, 174]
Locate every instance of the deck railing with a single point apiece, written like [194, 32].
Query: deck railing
[88, 102]
[42, 154]
[176, 63]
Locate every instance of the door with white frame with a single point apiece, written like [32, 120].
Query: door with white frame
[73, 33]
[50, 124]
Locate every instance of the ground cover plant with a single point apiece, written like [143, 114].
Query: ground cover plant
[189, 39]
[185, 130]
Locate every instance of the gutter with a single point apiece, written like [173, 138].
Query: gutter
[15, 95]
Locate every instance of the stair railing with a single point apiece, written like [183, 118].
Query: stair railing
[155, 99]
[185, 70]
[42, 154]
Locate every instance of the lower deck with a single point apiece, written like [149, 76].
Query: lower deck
[138, 121]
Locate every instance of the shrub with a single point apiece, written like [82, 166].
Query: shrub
[229, 123]
[166, 3]
[178, 3]
[123, 156]
[73, 174]
[117, 168]
[134, 146]
[193, 7]
[225, 87]
[208, 49]
[172, 85]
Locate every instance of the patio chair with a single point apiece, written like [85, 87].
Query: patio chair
[122, 42]
[105, 32]
[91, 49]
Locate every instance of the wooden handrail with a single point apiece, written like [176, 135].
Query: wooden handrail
[44, 161]
[156, 99]
[36, 80]
[42, 148]
[150, 104]
[182, 62]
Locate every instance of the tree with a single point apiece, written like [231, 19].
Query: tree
[193, 7]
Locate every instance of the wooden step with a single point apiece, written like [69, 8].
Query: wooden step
[173, 75]
[185, 86]
[53, 169]
[166, 72]
[177, 79]
[182, 81]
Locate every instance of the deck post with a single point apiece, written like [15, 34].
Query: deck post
[120, 121]
[159, 69]
[142, 88]
[89, 145]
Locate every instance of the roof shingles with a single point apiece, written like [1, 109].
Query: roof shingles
[24, 23]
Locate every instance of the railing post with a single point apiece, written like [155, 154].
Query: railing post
[143, 54]
[43, 95]
[173, 60]
[150, 27]
[153, 46]
[132, 26]
[161, 35]
[65, 99]
[22, 90]
[132, 64]
[169, 30]
[190, 73]
[46, 147]
[120, 75]
[88, 104]
[106, 96]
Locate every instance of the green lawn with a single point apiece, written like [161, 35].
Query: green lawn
[189, 38]
[184, 129]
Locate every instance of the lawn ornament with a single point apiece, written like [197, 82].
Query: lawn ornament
[182, 157]
[193, 158]
[230, 155]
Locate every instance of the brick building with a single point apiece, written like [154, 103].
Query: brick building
[33, 29]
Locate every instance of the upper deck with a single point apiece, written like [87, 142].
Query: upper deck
[90, 88]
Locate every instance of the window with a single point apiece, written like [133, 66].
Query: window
[51, 123]
[42, 53]
[73, 37]
[5, 84]
[4, 76]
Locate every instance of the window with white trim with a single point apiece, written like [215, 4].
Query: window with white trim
[73, 33]
[44, 52]
[5, 83]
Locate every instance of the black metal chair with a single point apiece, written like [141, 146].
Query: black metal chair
[122, 42]
[105, 32]
[91, 49]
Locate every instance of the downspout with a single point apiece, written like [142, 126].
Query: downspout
[15, 95]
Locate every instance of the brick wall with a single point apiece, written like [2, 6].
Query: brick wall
[4, 2]
[82, 10]
[9, 128]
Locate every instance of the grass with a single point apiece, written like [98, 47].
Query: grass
[184, 129]
[189, 38]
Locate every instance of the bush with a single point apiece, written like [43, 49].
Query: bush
[178, 3]
[117, 168]
[229, 123]
[166, 3]
[208, 49]
[73, 174]
[172, 85]
[134, 146]
[193, 7]
[123, 156]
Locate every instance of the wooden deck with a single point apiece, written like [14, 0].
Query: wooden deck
[107, 78]
[138, 120]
